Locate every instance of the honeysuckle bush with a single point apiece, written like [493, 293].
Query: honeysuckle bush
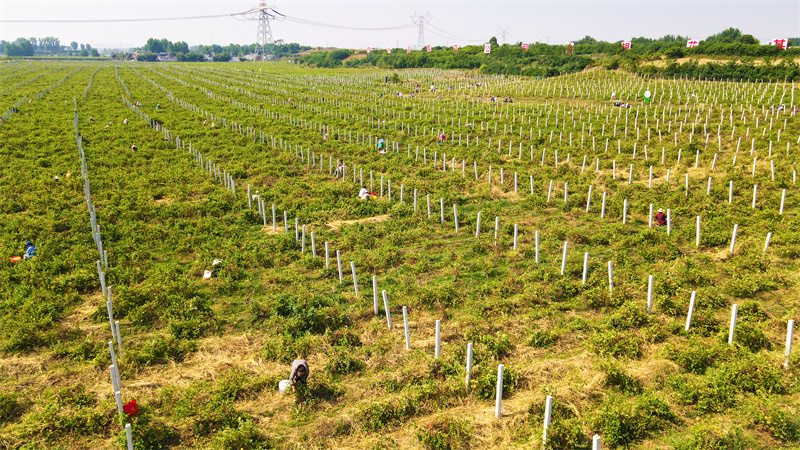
[203, 357]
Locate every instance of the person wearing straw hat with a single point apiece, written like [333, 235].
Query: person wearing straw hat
[660, 217]
[299, 373]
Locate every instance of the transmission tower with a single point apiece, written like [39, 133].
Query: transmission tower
[264, 38]
[503, 32]
[421, 20]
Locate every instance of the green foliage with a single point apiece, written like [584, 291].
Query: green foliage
[783, 425]
[10, 407]
[705, 437]
[160, 351]
[148, 433]
[146, 57]
[623, 424]
[542, 338]
[244, 436]
[445, 434]
[619, 344]
[341, 361]
[617, 377]
[485, 384]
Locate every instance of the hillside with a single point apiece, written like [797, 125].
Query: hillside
[528, 232]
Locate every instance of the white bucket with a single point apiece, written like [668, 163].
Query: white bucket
[283, 386]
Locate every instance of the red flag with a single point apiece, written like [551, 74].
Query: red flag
[369, 49]
[455, 47]
[524, 46]
[408, 50]
[692, 44]
[429, 49]
[569, 47]
[388, 49]
[626, 45]
[780, 42]
[487, 48]
[131, 408]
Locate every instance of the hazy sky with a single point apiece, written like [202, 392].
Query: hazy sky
[462, 22]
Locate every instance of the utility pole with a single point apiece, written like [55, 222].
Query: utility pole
[421, 20]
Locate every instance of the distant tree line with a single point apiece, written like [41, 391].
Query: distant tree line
[218, 52]
[45, 46]
[544, 60]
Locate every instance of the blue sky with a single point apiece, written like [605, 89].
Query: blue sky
[462, 22]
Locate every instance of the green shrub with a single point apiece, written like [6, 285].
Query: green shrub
[618, 344]
[148, 433]
[341, 361]
[10, 408]
[782, 425]
[160, 351]
[751, 337]
[542, 338]
[616, 377]
[447, 434]
[244, 436]
[704, 437]
[623, 424]
[485, 385]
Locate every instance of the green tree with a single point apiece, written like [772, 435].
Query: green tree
[20, 47]
[222, 57]
[74, 45]
[94, 53]
[493, 42]
[725, 37]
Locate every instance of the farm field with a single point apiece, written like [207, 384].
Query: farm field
[526, 238]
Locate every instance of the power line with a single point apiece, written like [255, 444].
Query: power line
[119, 20]
[452, 36]
[342, 27]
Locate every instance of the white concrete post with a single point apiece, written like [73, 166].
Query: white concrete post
[386, 307]
[789, 332]
[339, 264]
[355, 280]
[499, 392]
[734, 313]
[589, 198]
[603, 207]
[596, 442]
[649, 294]
[478, 225]
[669, 222]
[119, 337]
[783, 201]
[405, 327]
[766, 243]
[610, 277]
[733, 237]
[536, 240]
[548, 407]
[375, 293]
[691, 311]
[625, 211]
[438, 346]
[585, 267]
[697, 233]
[469, 363]
[564, 258]
[455, 216]
[515, 236]
[128, 436]
[327, 256]
[496, 228]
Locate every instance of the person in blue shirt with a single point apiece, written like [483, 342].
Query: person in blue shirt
[30, 250]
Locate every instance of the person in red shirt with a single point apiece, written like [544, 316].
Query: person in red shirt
[660, 217]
